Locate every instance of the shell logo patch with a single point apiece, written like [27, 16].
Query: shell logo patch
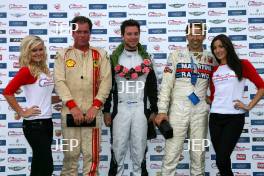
[70, 63]
[95, 63]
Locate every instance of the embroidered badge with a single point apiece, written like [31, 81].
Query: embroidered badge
[95, 63]
[167, 70]
[70, 63]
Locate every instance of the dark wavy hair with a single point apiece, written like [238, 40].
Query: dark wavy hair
[127, 23]
[233, 60]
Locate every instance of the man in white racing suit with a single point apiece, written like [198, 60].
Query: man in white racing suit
[183, 97]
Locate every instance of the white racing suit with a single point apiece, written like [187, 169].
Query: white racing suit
[185, 118]
[130, 109]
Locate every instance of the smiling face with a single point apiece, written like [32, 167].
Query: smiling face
[131, 37]
[195, 39]
[37, 53]
[220, 51]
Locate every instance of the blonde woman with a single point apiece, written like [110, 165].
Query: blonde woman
[34, 77]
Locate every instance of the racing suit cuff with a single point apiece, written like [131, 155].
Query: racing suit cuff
[71, 104]
[97, 103]
[163, 111]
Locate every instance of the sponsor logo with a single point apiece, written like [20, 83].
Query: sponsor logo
[157, 31]
[236, 12]
[98, 39]
[117, 6]
[258, 139]
[55, 48]
[97, 6]
[17, 23]
[196, 13]
[255, 28]
[37, 15]
[58, 40]
[76, 6]
[256, 54]
[241, 165]
[256, 45]
[176, 5]
[56, 23]
[236, 21]
[257, 147]
[195, 5]
[241, 156]
[256, 13]
[117, 14]
[13, 48]
[38, 6]
[137, 14]
[241, 174]
[238, 37]
[38, 31]
[15, 160]
[177, 14]
[260, 165]
[16, 168]
[217, 30]
[237, 29]
[136, 6]
[115, 39]
[157, 6]
[17, 15]
[216, 4]
[255, 3]
[156, 39]
[176, 22]
[156, 14]
[16, 6]
[58, 15]
[258, 157]
[96, 15]
[114, 23]
[238, 148]
[14, 133]
[177, 39]
[37, 23]
[240, 46]
[3, 40]
[16, 32]
[99, 31]
[3, 15]
[2, 24]
[257, 37]
[217, 21]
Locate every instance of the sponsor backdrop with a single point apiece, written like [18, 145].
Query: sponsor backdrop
[162, 31]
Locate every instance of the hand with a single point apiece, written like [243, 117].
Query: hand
[160, 117]
[32, 111]
[17, 116]
[152, 117]
[107, 119]
[77, 115]
[208, 100]
[91, 114]
[239, 105]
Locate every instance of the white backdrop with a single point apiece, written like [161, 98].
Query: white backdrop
[162, 31]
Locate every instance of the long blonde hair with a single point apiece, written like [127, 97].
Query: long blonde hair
[25, 60]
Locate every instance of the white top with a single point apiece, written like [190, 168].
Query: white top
[39, 94]
[227, 89]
